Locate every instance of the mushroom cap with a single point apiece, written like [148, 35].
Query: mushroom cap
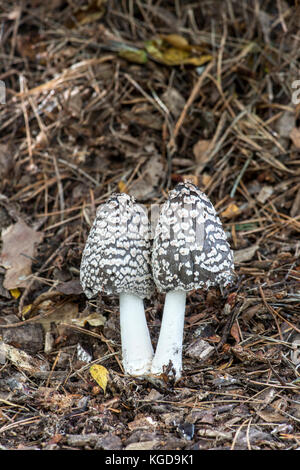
[116, 257]
[190, 250]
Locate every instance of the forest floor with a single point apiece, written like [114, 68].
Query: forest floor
[118, 96]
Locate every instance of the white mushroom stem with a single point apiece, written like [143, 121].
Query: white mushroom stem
[169, 346]
[137, 350]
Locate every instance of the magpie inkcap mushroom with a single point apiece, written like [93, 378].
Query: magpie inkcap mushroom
[116, 261]
[190, 251]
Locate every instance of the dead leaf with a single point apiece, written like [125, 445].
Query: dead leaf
[271, 416]
[15, 293]
[272, 412]
[199, 349]
[174, 50]
[264, 194]
[235, 333]
[122, 187]
[240, 256]
[94, 319]
[206, 179]
[143, 116]
[100, 375]
[176, 40]
[19, 243]
[60, 314]
[230, 211]
[72, 287]
[137, 56]
[250, 312]
[201, 151]
[174, 101]
[190, 179]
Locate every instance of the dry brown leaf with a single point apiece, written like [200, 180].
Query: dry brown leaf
[174, 101]
[271, 416]
[144, 117]
[19, 242]
[176, 40]
[240, 256]
[63, 314]
[72, 287]
[190, 179]
[235, 332]
[264, 194]
[199, 349]
[201, 151]
[206, 179]
[94, 319]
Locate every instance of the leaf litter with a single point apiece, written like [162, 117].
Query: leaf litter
[136, 97]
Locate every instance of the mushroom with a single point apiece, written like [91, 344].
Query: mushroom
[190, 251]
[116, 261]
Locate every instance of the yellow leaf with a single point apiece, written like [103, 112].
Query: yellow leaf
[198, 61]
[176, 40]
[100, 375]
[122, 187]
[15, 293]
[230, 211]
[26, 309]
[153, 48]
[137, 56]
[174, 50]
[174, 56]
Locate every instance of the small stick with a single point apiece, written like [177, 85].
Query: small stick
[22, 88]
